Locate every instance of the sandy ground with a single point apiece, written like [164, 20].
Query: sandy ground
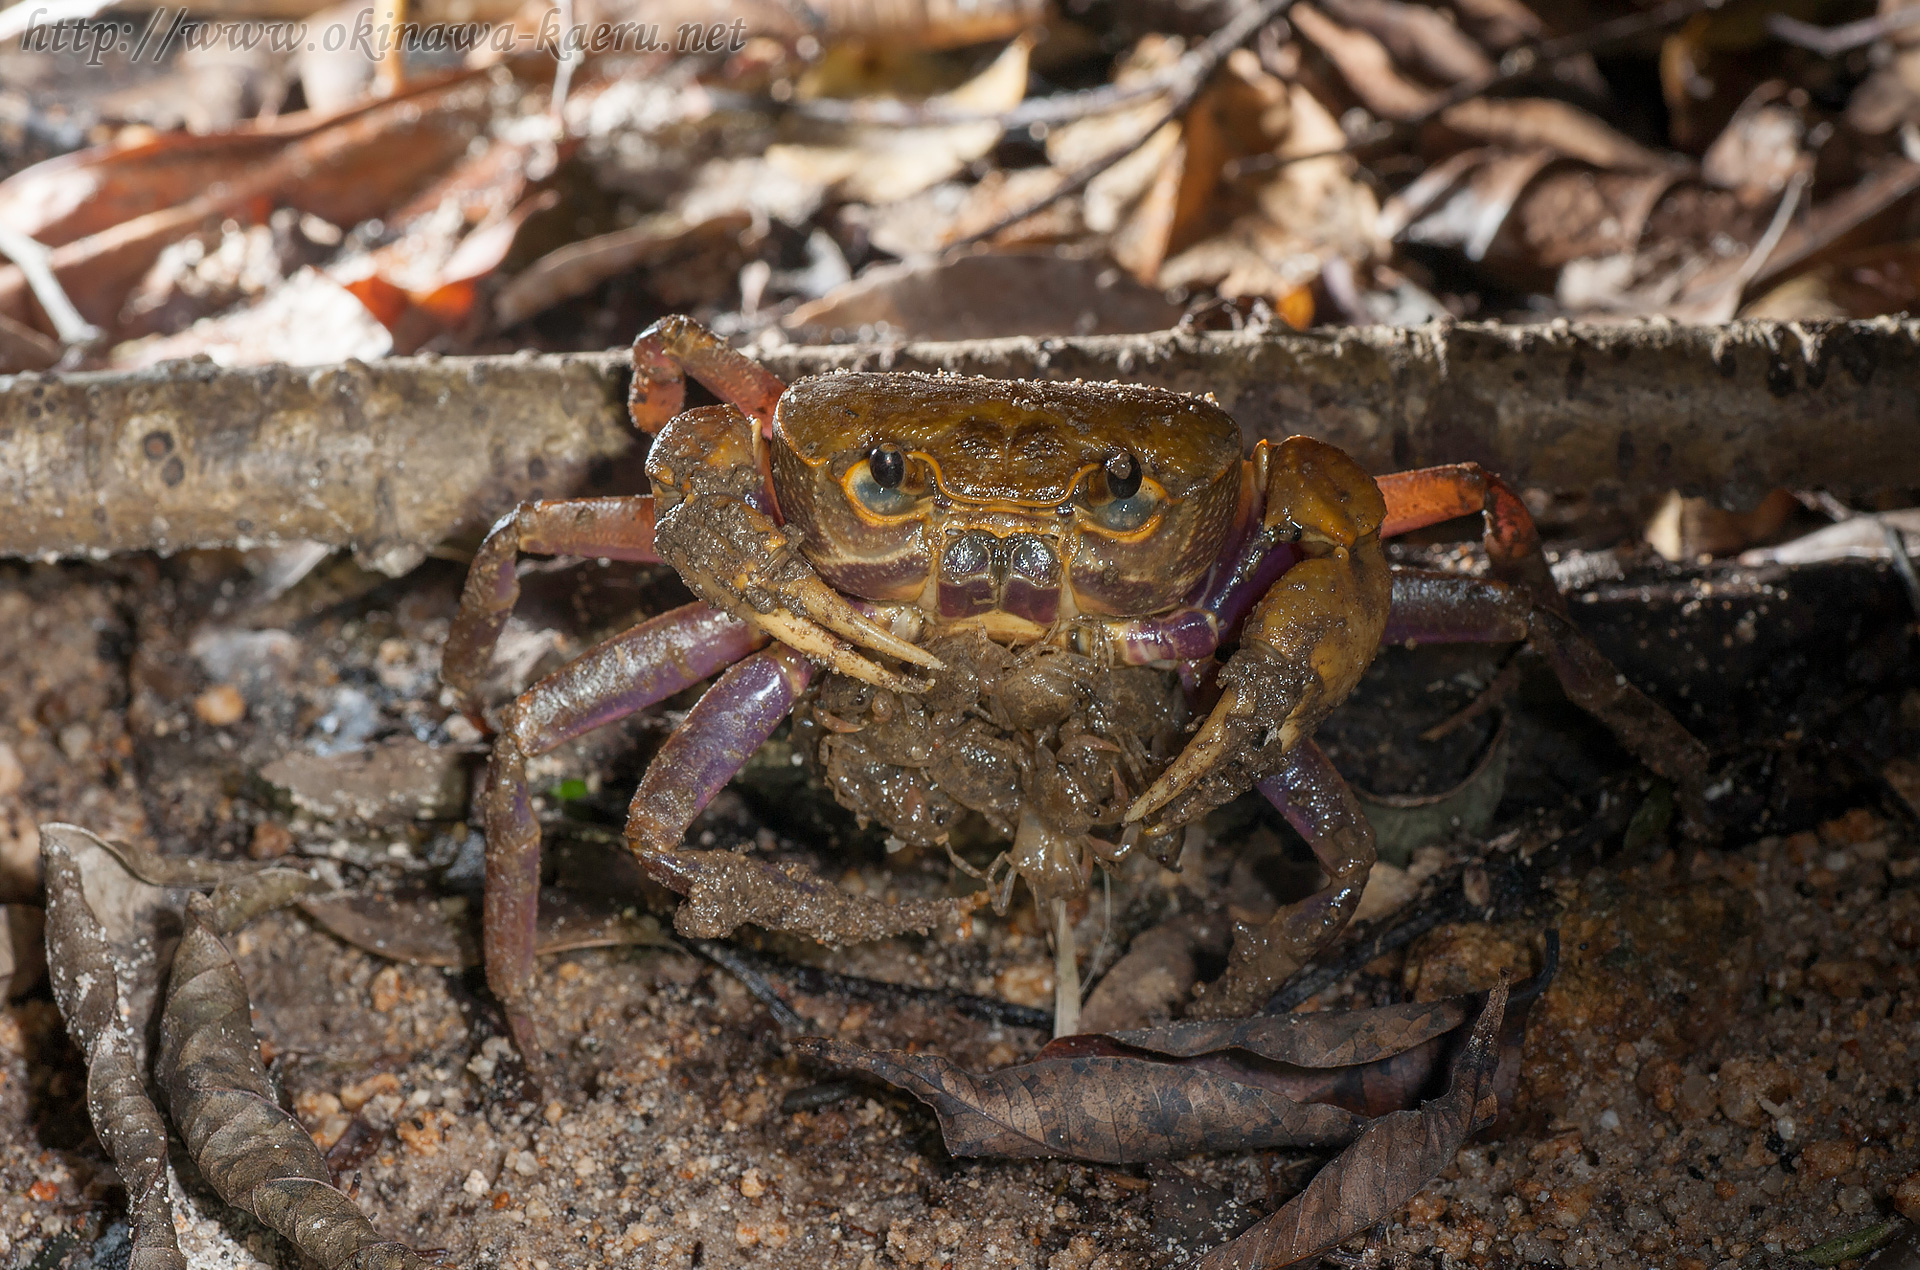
[1724, 1070]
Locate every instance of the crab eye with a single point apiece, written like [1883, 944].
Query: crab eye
[1118, 498]
[880, 483]
[888, 466]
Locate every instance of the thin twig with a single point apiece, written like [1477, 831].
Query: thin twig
[1215, 50]
[736, 963]
[33, 260]
[1832, 41]
[817, 982]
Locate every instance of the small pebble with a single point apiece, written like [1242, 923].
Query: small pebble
[12, 775]
[270, 841]
[1906, 1197]
[220, 706]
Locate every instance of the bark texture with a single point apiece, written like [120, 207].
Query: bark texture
[394, 457]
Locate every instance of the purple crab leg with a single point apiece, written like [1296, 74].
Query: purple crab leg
[1317, 802]
[1197, 628]
[720, 734]
[629, 672]
[1452, 608]
[624, 674]
[1447, 607]
[618, 528]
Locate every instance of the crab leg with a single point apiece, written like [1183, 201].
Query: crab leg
[623, 675]
[731, 720]
[1304, 643]
[674, 347]
[1450, 608]
[1318, 803]
[1436, 607]
[1432, 494]
[616, 528]
[725, 888]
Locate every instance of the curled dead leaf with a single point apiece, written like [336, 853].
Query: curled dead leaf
[1389, 1163]
[87, 987]
[255, 1155]
[1108, 1109]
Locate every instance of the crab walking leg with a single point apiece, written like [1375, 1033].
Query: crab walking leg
[729, 722]
[1318, 803]
[674, 347]
[1431, 607]
[1430, 495]
[616, 528]
[1450, 608]
[724, 888]
[1435, 494]
[623, 675]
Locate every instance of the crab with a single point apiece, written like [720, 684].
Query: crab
[994, 607]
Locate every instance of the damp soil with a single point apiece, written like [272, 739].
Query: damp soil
[1723, 1073]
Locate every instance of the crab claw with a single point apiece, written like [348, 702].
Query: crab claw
[1304, 647]
[1265, 706]
[735, 558]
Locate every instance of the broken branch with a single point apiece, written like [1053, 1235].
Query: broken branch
[395, 457]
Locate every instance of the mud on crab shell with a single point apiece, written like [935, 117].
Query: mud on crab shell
[995, 602]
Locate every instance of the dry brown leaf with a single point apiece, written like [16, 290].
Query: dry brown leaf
[309, 320]
[1575, 213]
[982, 295]
[1106, 1109]
[1419, 38]
[1172, 212]
[343, 172]
[881, 165]
[578, 267]
[1527, 123]
[452, 235]
[1465, 202]
[255, 1155]
[1396, 1156]
[1689, 528]
[1325, 1038]
[1762, 147]
[1364, 65]
[87, 986]
[1498, 24]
